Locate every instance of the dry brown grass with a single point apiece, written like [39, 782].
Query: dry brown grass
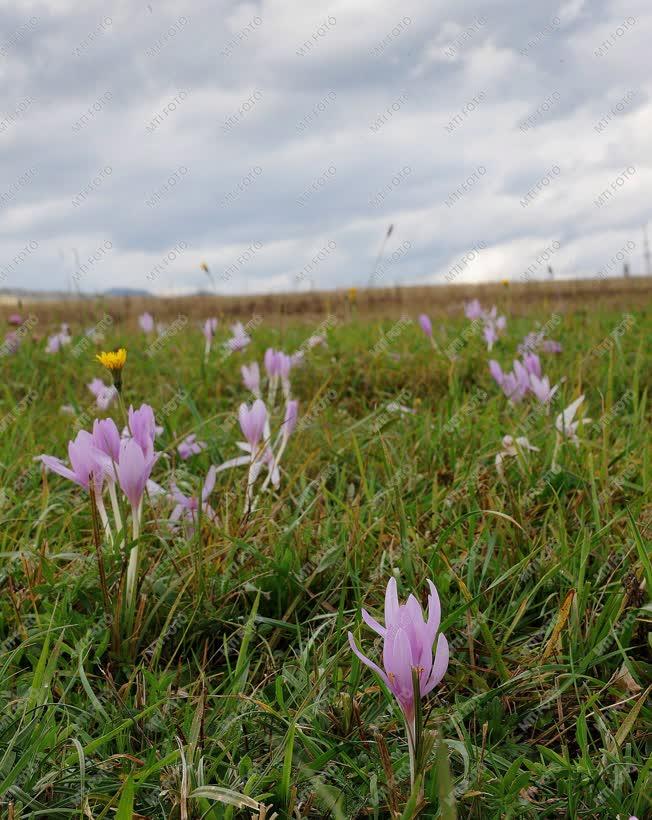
[387, 303]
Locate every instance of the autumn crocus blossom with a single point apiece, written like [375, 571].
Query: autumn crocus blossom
[190, 447]
[411, 644]
[542, 389]
[409, 640]
[209, 329]
[252, 422]
[146, 322]
[565, 424]
[187, 507]
[104, 394]
[240, 338]
[473, 310]
[251, 378]
[425, 324]
[142, 427]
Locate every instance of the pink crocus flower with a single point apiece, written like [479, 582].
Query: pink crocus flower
[142, 427]
[86, 462]
[284, 368]
[209, 329]
[106, 437]
[57, 342]
[550, 346]
[134, 470]
[425, 324]
[532, 364]
[565, 424]
[522, 378]
[104, 394]
[240, 338]
[473, 310]
[408, 643]
[190, 447]
[187, 507]
[271, 363]
[251, 378]
[291, 418]
[146, 322]
[252, 422]
[490, 335]
[513, 447]
[541, 388]
[409, 640]
[497, 372]
[15, 319]
[11, 344]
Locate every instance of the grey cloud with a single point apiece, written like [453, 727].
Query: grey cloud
[233, 69]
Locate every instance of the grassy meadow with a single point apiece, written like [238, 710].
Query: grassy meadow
[232, 691]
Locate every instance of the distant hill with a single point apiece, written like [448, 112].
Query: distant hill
[11, 294]
[127, 292]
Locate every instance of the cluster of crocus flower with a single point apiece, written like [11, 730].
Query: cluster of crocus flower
[105, 394]
[537, 341]
[190, 447]
[493, 325]
[415, 654]
[513, 448]
[103, 459]
[106, 458]
[15, 319]
[58, 340]
[240, 338]
[526, 377]
[261, 449]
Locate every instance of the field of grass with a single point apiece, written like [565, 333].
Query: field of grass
[232, 691]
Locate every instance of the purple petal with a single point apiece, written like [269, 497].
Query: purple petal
[373, 623]
[391, 602]
[367, 662]
[440, 665]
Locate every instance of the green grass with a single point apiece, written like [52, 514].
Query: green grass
[238, 686]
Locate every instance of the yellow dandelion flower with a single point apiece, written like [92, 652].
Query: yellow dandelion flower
[505, 283]
[353, 292]
[114, 361]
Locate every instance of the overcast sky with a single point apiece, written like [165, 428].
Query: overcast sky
[277, 141]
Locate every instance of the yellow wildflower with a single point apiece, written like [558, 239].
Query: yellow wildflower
[114, 360]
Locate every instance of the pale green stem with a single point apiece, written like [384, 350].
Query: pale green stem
[132, 569]
[115, 506]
